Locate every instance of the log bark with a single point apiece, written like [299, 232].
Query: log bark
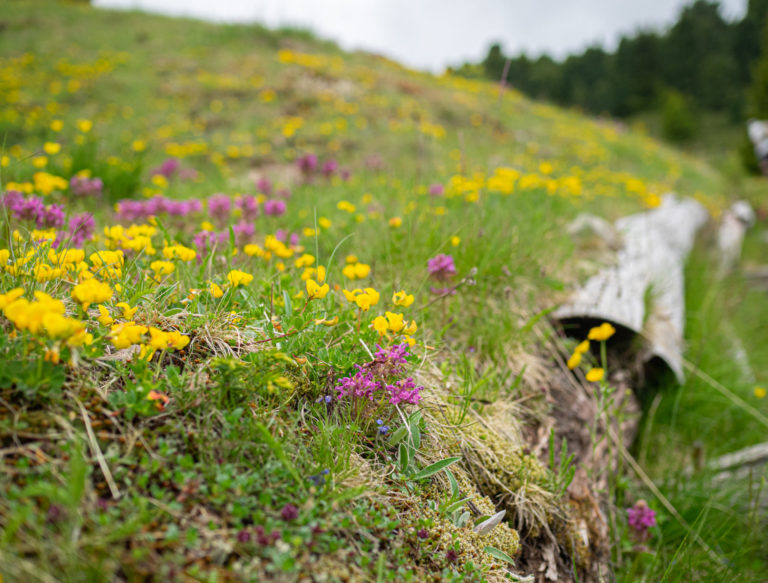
[644, 291]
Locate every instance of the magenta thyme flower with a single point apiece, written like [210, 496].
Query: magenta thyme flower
[249, 206]
[436, 190]
[441, 267]
[377, 381]
[167, 168]
[82, 186]
[274, 207]
[307, 163]
[81, 228]
[329, 168]
[219, 207]
[640, 518]
[264, 185]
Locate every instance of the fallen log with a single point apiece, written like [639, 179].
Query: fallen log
[644, 291]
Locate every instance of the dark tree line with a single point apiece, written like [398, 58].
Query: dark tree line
[702, 61]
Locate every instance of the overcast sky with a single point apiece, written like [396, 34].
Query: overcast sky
[431, 34]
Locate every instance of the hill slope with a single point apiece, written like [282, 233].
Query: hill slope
[186, 399]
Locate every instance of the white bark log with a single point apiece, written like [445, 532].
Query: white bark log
[644, 291]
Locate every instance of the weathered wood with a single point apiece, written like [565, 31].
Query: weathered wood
[730, 235]
[644, 291]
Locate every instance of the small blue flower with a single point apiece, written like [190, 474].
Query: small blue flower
[383, 429]
[328, 399]
[379, 422]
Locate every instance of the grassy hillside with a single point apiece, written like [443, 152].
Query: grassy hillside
[295, 330]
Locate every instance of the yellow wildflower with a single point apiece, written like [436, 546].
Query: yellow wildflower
[237, 278]
[52, 148]
[316, 291]
[162, 267]
[91, 291]
[582, 348]
[574, 360]
[104, 318]
[595, 375]
[380, 324]
[395, 321]
[215, 290]
[759, 392]
[602, 332]
[128, 311]
[402, 299]
[10, 297]
[127, 334]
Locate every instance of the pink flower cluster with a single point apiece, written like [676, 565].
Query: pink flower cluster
[377, 379]
[82, 186]
[34, 209]
[132, 210]
[441, 268]
[640, 518]
[309, 165]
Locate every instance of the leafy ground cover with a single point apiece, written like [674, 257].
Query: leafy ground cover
[272, 311]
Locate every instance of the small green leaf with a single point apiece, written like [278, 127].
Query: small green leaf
[398, 435]
[501, 555]
[454, 484]
[288, 304]
[458, 504]
[402, 456]
[436, 467]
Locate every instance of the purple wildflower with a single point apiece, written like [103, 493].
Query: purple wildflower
[377, 380]
[307, 163]
[51, 217]
[404, 391]
[219, 207]
[441, 267]
[436, 190]
[27, 209]
[294, 239]
[394, 354]
[12, 198]
[329, 168]
[249, 205]
[168, 168]
[243, 536]
[289, 512]
[83, 186]
[360, 385]
[264, 185]
[263, 538]
[345, 174]
[274, 208]
[244, 232]
[640, 518]
[81, 228]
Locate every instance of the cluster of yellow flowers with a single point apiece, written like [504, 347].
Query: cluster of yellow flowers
[362, 298]
[599, 333]
[127, 334]
[45, 317]
[356, 270]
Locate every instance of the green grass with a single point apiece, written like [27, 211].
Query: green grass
[247, 473]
